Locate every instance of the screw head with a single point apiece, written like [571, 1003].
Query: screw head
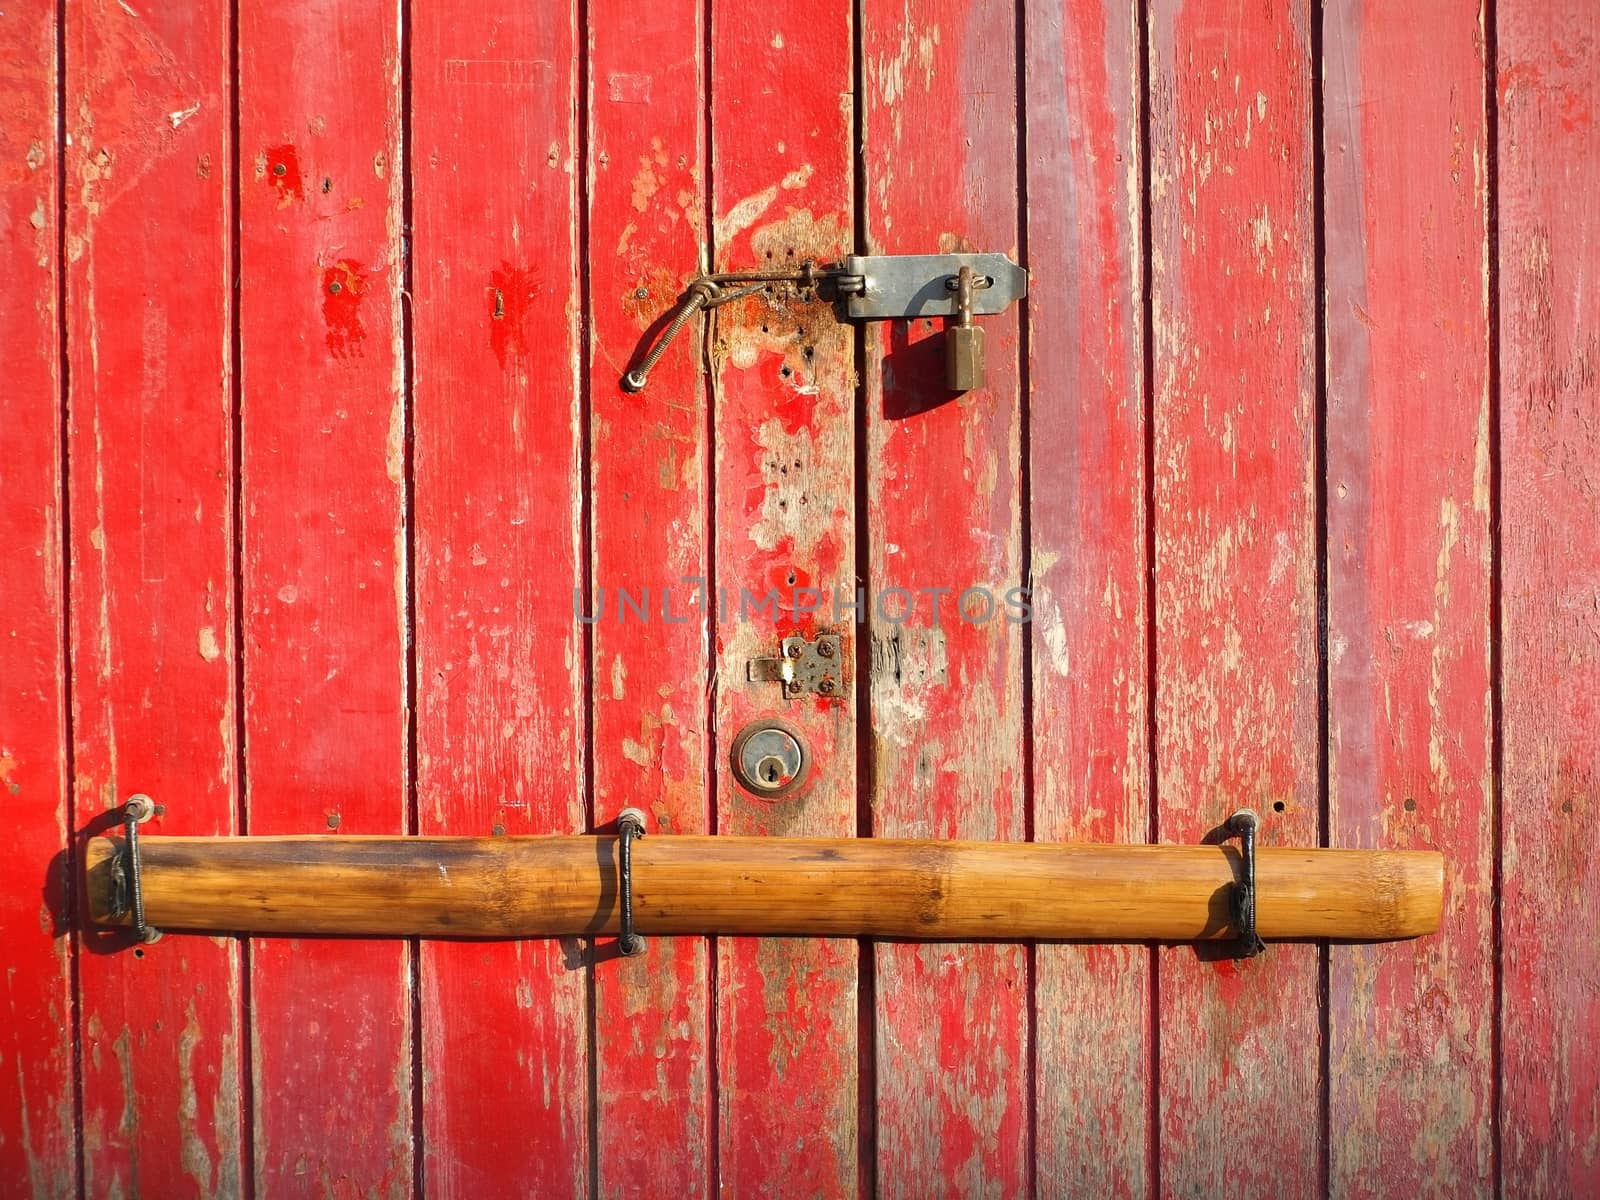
[794, 650]
[335, 288]
[826, 685]
[641, 293]
[279, 169]
[825, 648]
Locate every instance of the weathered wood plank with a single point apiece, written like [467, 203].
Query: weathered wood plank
[497, 491]
[649, 492]
[1084, 178]
[1549, 172]
[323, 556]
[147, 181]
[782, 373]
[37, 1131]
[944, 498]
[1236, 576]
[1409, 732]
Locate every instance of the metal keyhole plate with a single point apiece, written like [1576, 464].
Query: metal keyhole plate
[770, 759]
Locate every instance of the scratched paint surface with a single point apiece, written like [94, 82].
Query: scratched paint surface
[1235, 564]
[37, 1131]
[649, 536]
[1549, 97]
[150, 456]
[323, 563]
[946, 695]
[1189, 475]
[500, 700]
[1408, 582]
[782, 374]
[1090, 692]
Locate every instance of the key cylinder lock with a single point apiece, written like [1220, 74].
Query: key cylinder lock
[770, 759]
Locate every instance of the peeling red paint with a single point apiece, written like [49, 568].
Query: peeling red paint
[344, 285]
[283, 172]
[510, 295]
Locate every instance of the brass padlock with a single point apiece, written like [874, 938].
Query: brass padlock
[963, 341]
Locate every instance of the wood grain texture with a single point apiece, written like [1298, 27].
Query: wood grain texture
[875, 887]
[323, 561]
[1235, 569]
[1084, 177]
[150, 450]
[943, 479]
[782, 374]
[37, 1121]
[1549, 170]
[649, 494]
[496, 160]
[1408, 581]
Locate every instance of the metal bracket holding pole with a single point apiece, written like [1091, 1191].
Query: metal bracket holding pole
[127, 873]
[1246, 824]
[630, 825]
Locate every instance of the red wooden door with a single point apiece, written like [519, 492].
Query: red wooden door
[321, 510]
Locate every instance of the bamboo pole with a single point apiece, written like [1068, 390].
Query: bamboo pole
[874, 887]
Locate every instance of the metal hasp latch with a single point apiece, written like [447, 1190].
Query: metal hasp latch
[804, 668]
[874, 287]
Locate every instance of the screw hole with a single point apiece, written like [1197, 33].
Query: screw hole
[138, 951]
[785, 372]
[1278, 806]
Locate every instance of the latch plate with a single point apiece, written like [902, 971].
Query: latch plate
[814, 668]
[896, 286]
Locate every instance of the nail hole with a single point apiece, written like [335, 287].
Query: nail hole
[327, 185]
[138, 951]
[1411, 805]
[1278, 806]
[785, 372]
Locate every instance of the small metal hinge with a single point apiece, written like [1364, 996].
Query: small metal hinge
[804, 667]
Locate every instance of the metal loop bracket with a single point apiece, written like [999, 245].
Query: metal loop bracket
[139, 809]
[630, 825]
[1246, 824]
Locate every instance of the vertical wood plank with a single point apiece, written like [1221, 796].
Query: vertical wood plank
[1549, 171]
[322, 443]
[151, 451]
[649, 496]
[1236, 609]
[782, 372]
[1089, 634]
[1409, 733]
[944, 501]
[37, 1134]
[499, 658]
